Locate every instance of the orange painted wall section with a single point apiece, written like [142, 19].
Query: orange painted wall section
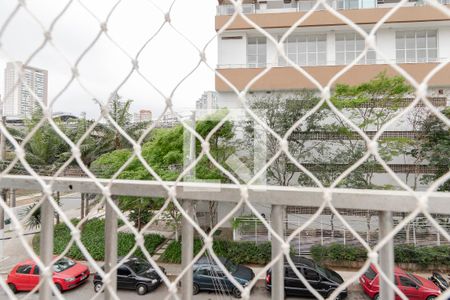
[286, 78]
[325, 18]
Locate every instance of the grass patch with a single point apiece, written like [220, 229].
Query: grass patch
[93, 238]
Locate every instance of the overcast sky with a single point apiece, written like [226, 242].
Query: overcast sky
[165, 61]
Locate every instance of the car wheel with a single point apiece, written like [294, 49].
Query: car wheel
[431, 298]
[98, 287]
[376, 297]
[59, 287]
[338, 297]
[12, 287]
[141, 289]
[236, 292]
[195, 289]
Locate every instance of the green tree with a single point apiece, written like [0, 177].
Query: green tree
[280, 111]
[435, 147]
[164, 153]
[45, 148]
[369, 105]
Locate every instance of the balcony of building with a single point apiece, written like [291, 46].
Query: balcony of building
[287, 6]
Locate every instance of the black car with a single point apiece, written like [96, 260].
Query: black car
[134, 274]
[439, 281]
[323, 280]
[209, 277]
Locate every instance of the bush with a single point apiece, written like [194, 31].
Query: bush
[237, 252]
[93, 238]
[423, 256]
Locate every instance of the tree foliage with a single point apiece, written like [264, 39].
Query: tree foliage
[435, 147]
[164, 154]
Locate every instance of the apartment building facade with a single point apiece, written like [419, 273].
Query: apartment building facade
[416, 38]
[144, 115]
[18, 96]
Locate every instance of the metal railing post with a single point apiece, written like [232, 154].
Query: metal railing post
[2, 223]
[187, 250]
[46, 246]
[12, 203]
[386, 255]
[110, 247]
[82, 207]
[187, 230]
[278, 268]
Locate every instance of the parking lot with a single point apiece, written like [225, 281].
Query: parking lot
[86, 291]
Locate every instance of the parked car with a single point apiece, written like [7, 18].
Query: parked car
[134, 274]
[67, 274]
[323, 280]
[439, 281]
[413, 286]
[208, 276]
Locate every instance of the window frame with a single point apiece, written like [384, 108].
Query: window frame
[295, 42]
[257, 54]
[24, 266]
[305, 270]
[401, 46]
[354, 52]
[405, 278]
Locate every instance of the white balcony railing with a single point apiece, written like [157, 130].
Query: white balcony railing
[328, 63]
[306, 5]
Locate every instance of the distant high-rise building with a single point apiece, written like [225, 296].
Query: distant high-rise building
[144, 115]
[18, 97]
[207, 101]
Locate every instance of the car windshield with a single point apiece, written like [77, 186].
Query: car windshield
[63, 264]
[230, 266]
[324, 271]
[414, 278]
[139, 266]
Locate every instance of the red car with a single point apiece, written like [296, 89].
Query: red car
[413, 286]
[67, 274]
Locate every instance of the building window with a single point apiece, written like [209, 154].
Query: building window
[349, 46]
[416, 46]
[347, 4]
[256, 52]
[306, 50]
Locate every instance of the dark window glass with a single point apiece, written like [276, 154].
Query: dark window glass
[204, 271]
[370, 273]
[25, 269]
[291, 274]
[311, 275]
[407, 282]
[123, 272]
[36, 270]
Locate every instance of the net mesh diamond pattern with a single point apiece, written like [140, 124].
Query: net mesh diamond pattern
[171, 188]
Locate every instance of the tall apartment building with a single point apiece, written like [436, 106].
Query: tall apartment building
[207, 101]
[416, 38]
[18, 101]
[144, 115]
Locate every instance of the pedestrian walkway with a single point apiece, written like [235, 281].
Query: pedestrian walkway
[162, 248]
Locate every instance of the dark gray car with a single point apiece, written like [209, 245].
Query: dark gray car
[323, 280]
[134, 274]
[209, 277]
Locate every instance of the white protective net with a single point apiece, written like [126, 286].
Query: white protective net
[171, 188]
